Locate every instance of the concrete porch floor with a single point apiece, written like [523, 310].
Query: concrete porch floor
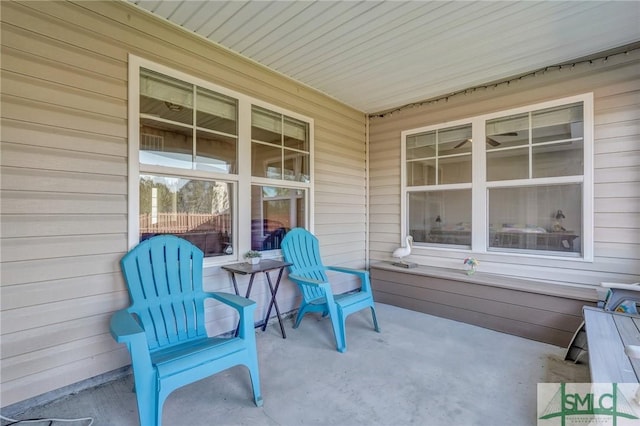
[420, 369]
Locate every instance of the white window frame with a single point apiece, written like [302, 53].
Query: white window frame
[241, 181]
[480, 185]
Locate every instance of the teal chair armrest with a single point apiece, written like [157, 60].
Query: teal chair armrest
[245, 308]
[239, 303]
[361, 273]
[124, 327]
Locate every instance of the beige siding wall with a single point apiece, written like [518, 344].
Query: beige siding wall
[616, 87]
[64, 179]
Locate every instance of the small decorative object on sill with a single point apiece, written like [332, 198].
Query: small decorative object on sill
[253, 257]
[471, 263]
[402, 252]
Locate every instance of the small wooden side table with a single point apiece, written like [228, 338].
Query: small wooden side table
[265, 266]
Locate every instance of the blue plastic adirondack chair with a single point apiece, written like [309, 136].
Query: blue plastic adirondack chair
[164, 326]
[301, 248]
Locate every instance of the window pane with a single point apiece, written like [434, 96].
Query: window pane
[542, 218]
[165, 97]
[197, 210]
[440, 217]
[296, 166]
[266, 126]
[422, 145]
[165, 144]
[438, 157]
[507, 132]
[559, 123]
[216, 112]
[508, 164]
[421, 172]
[216, 153]
[266, 161]
[558, 159]
[454, 169]
[296, 134]
[274, 211]
[454, 140]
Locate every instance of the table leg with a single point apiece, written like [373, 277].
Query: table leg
[273, 302]
[235, 285]
[250, 285]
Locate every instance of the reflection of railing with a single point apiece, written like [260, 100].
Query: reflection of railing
[177, 223]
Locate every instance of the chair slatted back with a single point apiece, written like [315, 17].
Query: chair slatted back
[301, 248]
[164, 277]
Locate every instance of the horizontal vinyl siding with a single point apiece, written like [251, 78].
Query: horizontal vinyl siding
[64, 180]
[616, 89]
[63, 211]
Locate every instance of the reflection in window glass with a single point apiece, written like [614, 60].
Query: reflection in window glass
[454, 141]
[454, 169]
[508, 164]
[439, 157]
[508, 132]
[166, 97]
[558, 138]
[558, 159]
[165, 144]
[167, 129]
[215, 153]
[266, 126]
[547, 218]
[275, 211]
[558, 123]
[216, 112]
[295, 134]
[199, 211]
[440, 217]
[421, 172]
[296, 167]
[266, 161]
[422, 145]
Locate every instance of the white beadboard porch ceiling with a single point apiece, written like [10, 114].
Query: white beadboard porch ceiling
[378, 55]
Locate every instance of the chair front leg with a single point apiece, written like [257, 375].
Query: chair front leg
[254, 374]
[337, 323]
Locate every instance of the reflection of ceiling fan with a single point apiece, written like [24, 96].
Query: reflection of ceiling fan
[462, 143]
[490, 141]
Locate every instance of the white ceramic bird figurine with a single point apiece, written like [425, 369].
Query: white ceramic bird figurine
[402, 252]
